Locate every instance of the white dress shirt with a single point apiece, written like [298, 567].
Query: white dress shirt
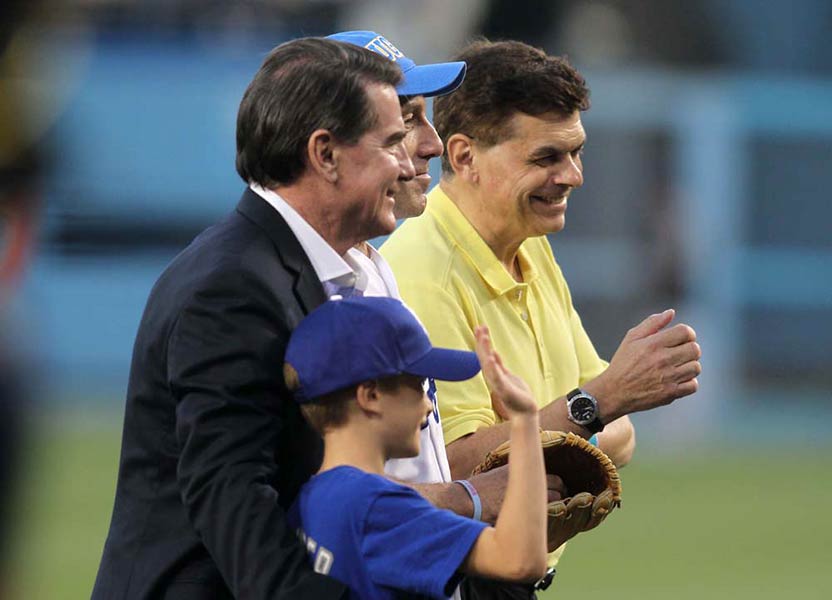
[328, 264]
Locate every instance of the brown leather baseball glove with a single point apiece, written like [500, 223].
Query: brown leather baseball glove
[592, 484]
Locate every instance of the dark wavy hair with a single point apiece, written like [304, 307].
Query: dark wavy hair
[504, 78]
[305, 85]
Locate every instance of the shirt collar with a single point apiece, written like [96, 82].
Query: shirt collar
[373, 272]
[328, 265]
[468, 240]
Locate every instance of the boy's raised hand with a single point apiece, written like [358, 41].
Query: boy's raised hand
[515, 548]
[510, 395]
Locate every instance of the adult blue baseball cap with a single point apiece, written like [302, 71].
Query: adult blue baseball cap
[419, 80]
[345, 342]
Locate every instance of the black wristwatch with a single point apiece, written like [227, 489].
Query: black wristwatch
[547, 579]
[582, 409]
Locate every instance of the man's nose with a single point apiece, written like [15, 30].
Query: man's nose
[570, 172]
[430, 145]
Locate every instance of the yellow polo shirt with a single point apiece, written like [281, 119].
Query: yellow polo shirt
[453, 281]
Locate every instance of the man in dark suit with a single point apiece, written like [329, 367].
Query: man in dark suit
[213, 448]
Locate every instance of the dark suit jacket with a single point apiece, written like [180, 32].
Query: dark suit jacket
[214, 449]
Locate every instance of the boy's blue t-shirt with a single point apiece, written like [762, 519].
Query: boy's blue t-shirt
[380, 538]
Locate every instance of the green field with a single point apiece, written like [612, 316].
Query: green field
[711, 526]
[691, 526]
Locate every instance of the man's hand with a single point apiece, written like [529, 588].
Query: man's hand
[491, 486]
[654, 365]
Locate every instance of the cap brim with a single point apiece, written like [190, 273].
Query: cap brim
[446, 365]
[432, 80]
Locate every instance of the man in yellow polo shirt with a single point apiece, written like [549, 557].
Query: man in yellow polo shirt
[455, 282]
[479, 254]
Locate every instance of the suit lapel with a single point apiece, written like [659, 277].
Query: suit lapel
[309, 291]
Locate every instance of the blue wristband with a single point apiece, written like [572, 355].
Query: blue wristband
[593, 440]
[475, 497]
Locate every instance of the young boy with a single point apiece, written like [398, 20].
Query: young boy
[359, 369]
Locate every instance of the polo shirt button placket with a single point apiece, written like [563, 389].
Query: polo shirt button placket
[524, 312]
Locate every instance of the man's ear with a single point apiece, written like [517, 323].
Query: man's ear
[461, 152]
[368, 398]
[322, 154]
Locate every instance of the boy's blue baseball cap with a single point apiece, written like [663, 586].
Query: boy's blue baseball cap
[419, 80]
[345, 342]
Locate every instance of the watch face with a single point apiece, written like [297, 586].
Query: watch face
[582, 409]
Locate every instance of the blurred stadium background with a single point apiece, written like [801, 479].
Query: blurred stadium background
[707, 189]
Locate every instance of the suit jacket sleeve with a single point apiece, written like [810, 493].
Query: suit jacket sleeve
[225, 356]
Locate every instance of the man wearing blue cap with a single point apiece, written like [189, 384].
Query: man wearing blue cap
[359, 369]
[420, 82]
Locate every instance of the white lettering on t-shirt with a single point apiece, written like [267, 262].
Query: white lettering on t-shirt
[323, 561]
[322, 558]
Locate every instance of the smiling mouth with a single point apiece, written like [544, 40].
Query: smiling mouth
[550, 200]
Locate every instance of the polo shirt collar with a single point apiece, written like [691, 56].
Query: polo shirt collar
[462, 233]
